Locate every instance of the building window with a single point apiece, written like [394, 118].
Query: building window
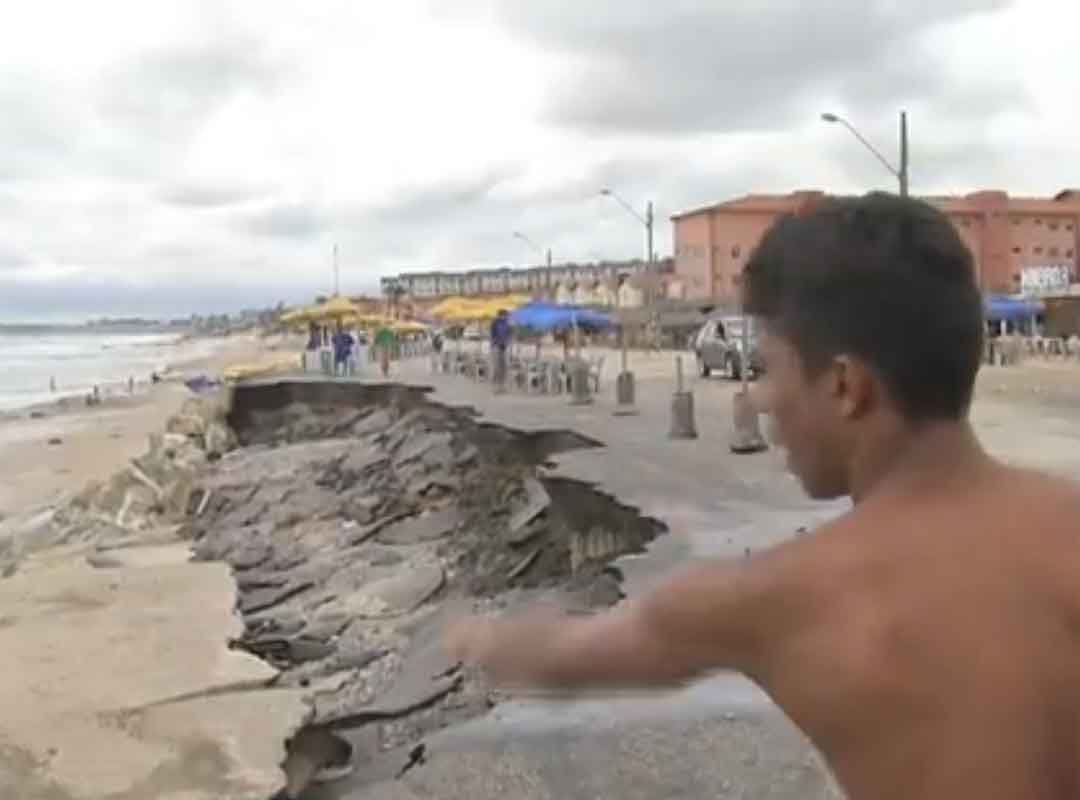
[1016, 277]
[1052, 226]
[1038, 221]
[1068, 227]
[1038, 251]
[1016, 220]
[1018, 250]
[1053, 251]
[736, 251]
[1068, 254]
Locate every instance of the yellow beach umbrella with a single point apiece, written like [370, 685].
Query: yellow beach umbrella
[408, 326]
[336, 307]
[370, 320]
[448, 306]
[294, 316]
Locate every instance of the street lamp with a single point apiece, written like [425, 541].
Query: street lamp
[646, 220]
[901, 173]
[534, 246]
[624, 383]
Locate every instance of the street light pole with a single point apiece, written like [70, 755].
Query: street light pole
[538, 249]
[337, 274]
[901, 173]
[650, 256]
[624, 383]
[903, 176]
[647, 220]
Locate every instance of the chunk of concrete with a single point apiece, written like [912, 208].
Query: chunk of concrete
[218, 439]
[373, 423]
[187, 425]
[144, 649]
[418, 446]
[398, 594]
[262, 599]
[537, 501]
[428, 527]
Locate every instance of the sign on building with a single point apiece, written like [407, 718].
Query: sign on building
[1045, 280]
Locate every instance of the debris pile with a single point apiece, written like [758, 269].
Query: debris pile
[351, 531]
[354, 525]
[148, 501]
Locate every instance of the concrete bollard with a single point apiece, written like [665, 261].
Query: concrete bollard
[682, 408]
[746, 435]
[624, 395]
[579, 384]
[624, 384]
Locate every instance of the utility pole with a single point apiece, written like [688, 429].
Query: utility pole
[903, 171]
[651, 257]
[337, 274]
[624, 384]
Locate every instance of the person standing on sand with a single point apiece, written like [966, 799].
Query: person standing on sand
[928, 640]
[500, 345]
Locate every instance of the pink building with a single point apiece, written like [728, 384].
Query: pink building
[1009, 237]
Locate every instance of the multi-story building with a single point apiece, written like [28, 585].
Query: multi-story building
[565, 280]
[1020, 244]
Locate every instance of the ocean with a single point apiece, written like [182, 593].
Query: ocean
[80, 358]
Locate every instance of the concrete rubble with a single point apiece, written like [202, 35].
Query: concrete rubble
[333, 530]
[354, 527]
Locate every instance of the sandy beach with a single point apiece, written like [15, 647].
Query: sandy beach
[50, 450]
[119, 653]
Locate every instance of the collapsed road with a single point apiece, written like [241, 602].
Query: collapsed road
[355, 519]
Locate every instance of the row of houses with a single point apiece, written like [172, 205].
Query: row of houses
[550, 281]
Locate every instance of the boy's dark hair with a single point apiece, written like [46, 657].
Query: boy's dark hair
[883, 278]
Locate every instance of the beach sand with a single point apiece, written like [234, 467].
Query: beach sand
[94, 441]
[121, 682]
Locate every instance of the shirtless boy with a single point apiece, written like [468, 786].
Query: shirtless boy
[928, 641]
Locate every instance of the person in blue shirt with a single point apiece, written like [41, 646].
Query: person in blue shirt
[343, 345]
[500, 344]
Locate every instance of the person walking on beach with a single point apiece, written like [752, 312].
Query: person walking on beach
[384, 345]
[927, 640]
[500, 344]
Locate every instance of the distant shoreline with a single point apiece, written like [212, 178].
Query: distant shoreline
[60, 327]
[178, 351]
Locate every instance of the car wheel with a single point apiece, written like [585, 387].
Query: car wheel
[703, 368]
[731, 367]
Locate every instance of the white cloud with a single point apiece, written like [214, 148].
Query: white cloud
[177, 154]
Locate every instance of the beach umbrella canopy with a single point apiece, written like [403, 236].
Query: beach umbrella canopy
[474, 309]
[367, 320]
[408, 326]
[460, 309]
[336, 307]
[293, 316]
[1011, 309]
[542, 316]
[448, 306]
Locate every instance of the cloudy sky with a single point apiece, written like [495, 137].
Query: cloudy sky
[161, 156]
